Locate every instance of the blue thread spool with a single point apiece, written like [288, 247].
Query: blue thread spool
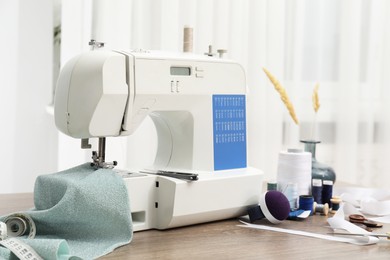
[335, 203]
[306, 202]
[327, 190]
[316, 190]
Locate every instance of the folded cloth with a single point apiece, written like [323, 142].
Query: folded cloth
[79, 213]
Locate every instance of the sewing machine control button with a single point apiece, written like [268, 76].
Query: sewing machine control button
[172, 86]
[177, 87]
[199, 74]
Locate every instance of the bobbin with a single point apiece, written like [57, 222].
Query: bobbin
[336, 200]
[323, 209]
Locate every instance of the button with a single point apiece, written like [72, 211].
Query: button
[199, 74]
[177, 87]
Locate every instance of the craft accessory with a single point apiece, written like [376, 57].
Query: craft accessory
[387, 235]
[316, 190]
[358, 240]
[291, 192]
[363, 227]
[20, 224]
[188, 39]
[273, 206]
[179, 175]
[3, 231]
[294, 166]
[379, 206]
[327, 190]
[306, 202]
[321, 208]
[357, 218]
[20, 249]
[71, 212]
[272, 186]
[298, 214]
[335, 200]
[371, 201]
[294, 214]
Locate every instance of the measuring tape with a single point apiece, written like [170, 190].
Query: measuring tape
[18, 225]
[3, 231]
[20, 249]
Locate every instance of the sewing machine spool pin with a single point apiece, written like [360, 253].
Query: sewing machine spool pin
[95, 44]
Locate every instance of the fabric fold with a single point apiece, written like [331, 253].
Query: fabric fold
[81, 213]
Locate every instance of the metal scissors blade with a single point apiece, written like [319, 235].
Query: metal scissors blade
[387, 235]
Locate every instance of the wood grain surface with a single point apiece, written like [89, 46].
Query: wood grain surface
[225, 240]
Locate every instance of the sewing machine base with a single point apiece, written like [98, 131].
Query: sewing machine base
[159, 202]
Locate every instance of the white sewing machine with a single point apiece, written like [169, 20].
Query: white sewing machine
[198, 106]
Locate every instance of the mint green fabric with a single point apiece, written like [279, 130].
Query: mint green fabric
[79, 213]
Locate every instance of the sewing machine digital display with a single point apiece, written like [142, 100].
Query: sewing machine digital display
[180, 71]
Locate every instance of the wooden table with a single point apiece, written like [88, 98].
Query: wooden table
[225, 240]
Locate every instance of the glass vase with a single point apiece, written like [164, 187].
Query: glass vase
[318, 170]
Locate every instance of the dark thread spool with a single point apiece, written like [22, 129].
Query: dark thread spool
[271, 186]
[327, 190]
[335, 203]
[316, 190]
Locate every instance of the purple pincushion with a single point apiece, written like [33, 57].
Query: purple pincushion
[277, 204]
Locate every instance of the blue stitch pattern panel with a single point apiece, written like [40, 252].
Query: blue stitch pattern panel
[229, 126]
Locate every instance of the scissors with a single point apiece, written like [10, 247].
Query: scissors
[360, 219]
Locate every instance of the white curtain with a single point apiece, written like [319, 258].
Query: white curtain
[343, 45]
[28, 135]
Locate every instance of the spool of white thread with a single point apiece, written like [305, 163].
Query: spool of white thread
[187, 39]
[294, 166]
[291, 192]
